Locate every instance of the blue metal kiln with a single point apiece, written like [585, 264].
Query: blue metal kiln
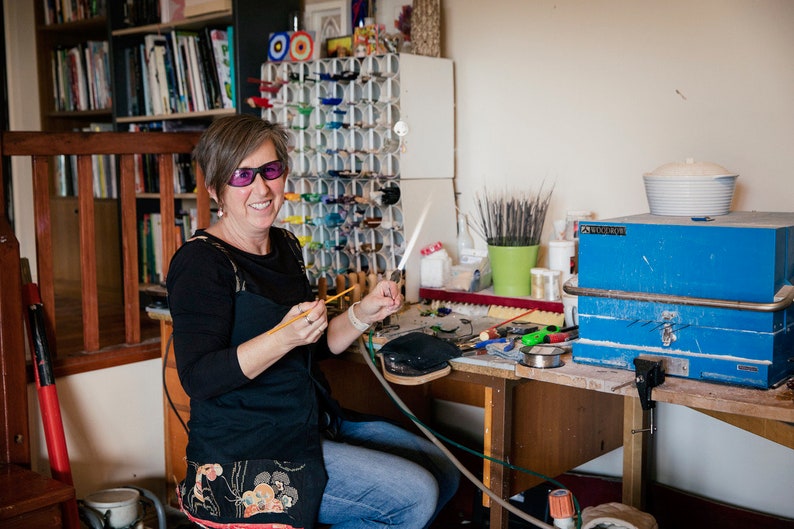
[710, 296]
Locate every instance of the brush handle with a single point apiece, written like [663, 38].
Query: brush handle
[514, 318]
[301, 315]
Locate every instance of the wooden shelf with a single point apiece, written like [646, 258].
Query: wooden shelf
[219, 17]
[28, 499]
[217, 112]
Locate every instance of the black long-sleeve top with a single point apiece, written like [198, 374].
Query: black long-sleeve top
[214, 309]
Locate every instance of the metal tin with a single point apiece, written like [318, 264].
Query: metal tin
[543, 357]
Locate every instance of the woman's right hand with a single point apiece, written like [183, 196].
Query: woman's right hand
[260, 352]
[307, 328]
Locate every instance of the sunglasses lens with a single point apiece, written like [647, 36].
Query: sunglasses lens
[273, 170]
[242, 177]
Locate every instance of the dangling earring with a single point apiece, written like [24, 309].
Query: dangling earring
[220, 211]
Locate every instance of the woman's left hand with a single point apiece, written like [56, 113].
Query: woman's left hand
[384, 300]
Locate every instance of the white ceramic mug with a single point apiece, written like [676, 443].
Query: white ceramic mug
[570, 309]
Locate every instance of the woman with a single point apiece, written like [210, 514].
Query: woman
[267, 444]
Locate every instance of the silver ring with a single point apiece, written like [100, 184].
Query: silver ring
[300, 309]
[308, 320]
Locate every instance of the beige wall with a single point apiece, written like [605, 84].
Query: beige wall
[584, 94]
[590, 95]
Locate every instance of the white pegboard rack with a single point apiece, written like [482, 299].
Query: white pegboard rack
[370, 139]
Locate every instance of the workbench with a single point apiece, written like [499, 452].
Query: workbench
[546, 420]
[554, 419]
[768, 413]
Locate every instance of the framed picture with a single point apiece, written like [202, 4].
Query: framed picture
[395, 15]
[328, 20]
[339, 46]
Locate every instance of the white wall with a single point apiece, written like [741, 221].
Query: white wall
[583, 95]
[590, 95]
[23, 114]
[113, 422]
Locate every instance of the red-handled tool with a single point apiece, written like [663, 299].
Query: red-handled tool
[564, 335]
[48, 395]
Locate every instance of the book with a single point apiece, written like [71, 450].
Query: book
[170, 72]
[232, 73]
[59, 75]
[179, 68]
[99, 53]
[202, 7]
[157, 244]
[90, 85]
[220, 49]
[145, 94]
[63, 178]
[207, 60]
[196, 74]
[131, 86]
[79, 81]
[165, 90]
[153, 84]
[106, 165]
[183, 47]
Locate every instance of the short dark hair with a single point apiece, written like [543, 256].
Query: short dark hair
[229, 140]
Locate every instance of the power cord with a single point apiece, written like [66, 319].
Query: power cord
[435, 436]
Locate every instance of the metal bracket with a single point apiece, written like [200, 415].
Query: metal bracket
[647, 375]
[783, 298]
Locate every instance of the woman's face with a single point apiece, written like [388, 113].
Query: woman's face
[253, 208]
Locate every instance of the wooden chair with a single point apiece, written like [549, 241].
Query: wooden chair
[28, 499]
[41, 148]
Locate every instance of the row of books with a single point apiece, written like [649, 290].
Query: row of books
[142, 12]
[105, 173]
[105, 176]
[150, 241]
[147, 171]
[180, 71]
[60, 11]
[81, 77]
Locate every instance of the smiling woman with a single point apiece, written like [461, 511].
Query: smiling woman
[248, 329]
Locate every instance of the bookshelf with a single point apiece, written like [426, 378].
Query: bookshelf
[67, 37]
[186, 52]
[181, 42]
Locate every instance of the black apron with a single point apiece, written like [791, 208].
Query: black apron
[273, 420]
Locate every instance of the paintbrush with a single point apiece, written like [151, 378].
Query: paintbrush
[301, 315]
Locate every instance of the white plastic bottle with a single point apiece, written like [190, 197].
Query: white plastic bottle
[465, 241]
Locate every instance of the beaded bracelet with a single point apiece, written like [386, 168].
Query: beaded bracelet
[354, 321]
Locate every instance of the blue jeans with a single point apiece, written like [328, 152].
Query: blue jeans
[380, 475]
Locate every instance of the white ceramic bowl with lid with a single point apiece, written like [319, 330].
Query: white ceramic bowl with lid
[690, 189]
[121, 504]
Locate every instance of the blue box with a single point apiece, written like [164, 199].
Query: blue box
[712, 297]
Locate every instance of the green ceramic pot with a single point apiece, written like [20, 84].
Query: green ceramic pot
[511, 267]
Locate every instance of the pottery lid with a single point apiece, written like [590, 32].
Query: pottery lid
[690, 167]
